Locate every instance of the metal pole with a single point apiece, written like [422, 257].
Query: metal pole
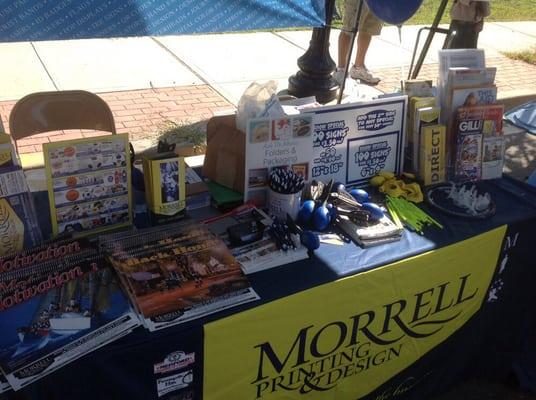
[315, 77]
[429, 39]
[349, 56]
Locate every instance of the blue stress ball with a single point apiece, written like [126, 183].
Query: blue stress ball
[321, 218]
[337, 186]
[306, 211]
[375, 211]
[359, 195]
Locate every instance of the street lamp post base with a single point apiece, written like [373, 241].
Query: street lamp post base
[303, 84]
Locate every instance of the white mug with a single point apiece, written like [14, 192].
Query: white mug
[279, 204]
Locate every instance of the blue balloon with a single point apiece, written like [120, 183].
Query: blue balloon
[321, 218]
[306, 211]
[375, 211]
[394, 11]
[359, 195]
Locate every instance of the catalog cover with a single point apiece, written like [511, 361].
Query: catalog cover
[168, 185]
[184, 274]
[486, 119]
[19, 227]
[58, 326]
[20, 285]
[469, 157]
[88, 184]
[492, 157]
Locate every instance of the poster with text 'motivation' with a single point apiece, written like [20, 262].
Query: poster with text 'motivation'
[353, 142]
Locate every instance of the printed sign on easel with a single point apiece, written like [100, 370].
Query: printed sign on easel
[353, 142]
[285, 142]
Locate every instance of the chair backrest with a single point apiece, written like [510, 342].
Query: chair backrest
[54, 111]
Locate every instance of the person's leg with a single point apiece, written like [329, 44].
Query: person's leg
[363, 43]
[344, 48]
[369, 25]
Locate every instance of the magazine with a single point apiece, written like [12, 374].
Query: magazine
[4, 384]
[492, 157]
[261, 254]
[88, 184]
[62, 321]
[485, 122]
[178, 273]
[165, 191]
[19, 227]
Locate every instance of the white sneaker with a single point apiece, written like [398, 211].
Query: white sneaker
[339, 75]
[364, 75]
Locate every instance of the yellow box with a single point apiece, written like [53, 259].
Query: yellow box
[432, 154]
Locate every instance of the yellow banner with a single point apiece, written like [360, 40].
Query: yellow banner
[344, 339]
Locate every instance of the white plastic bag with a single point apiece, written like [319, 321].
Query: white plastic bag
[253, 102]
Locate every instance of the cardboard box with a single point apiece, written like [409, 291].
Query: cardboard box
[225, 156]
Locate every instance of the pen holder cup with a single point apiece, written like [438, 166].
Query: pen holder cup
[279, 204]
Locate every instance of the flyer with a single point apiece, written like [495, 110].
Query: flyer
[88, 184]
[57, 326]
[285, 142]
[353, 142]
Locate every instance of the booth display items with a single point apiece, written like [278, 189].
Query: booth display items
[89, 185]
[58, 302]
[255, 252]
[165, 191]
[176, 273]
[462, 200]
[424, 117]
[276, 143]
[20, 228]
[197, 191]
[353, 142]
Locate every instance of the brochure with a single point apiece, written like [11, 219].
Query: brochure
[89, 184]
[165, 190]
[261, 254]
[19, 227]
[284, 142]
[177, 273]
[58, 316]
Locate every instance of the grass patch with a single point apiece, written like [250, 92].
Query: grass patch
[528, 56]
[511, 10]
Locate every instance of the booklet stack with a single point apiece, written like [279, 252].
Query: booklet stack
[260, 254]
[176, 273]
[58, 301]
[473, 119]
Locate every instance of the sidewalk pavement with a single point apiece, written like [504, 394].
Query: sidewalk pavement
[147, 80]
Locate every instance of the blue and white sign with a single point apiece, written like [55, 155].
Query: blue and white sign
[353, 142]
[25, 20]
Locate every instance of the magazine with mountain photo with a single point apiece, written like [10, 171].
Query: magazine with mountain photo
[184, 274]
[58, 318]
